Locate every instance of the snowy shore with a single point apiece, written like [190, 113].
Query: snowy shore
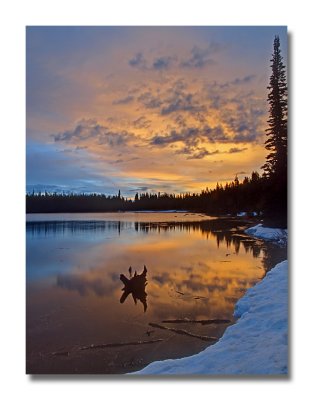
[279, 236]
[257, 344]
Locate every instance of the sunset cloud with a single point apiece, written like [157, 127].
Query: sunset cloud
[91, 129]
[201, 57]
[137, 61]
[124, 100]
[149, 100]
[142, 123]
[197, 57]
[192, 136]
[162, 63]
[233, 150]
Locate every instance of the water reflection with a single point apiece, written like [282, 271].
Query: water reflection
[135, 286]
[229, 231]
[84, 286]
[197, 270]
[40, 228]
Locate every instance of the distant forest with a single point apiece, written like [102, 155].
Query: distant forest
[266, 194]
[255, 195]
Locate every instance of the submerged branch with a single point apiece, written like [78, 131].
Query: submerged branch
[61, 353]
[183, 332]
[105, 345]
[197, 321]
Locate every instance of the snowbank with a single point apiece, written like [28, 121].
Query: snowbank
[277, 235]
[242, 214]
[256, 344]
[246, 214]
[160, 211]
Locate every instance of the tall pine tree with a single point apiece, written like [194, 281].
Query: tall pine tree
[276, 143]
[275, 167]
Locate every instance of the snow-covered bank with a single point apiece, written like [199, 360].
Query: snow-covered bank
[279, 236]
[256, 344]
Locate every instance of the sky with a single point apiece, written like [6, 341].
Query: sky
[135, 109]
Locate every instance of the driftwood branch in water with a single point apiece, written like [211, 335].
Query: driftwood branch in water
[61, 353]
[190, 296]
[105, 345]
[196, 321]
[183, 332]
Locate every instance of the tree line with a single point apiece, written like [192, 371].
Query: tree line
[230, 198]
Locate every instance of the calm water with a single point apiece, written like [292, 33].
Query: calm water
[197, 268]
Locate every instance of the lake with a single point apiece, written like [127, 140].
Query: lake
[79, 320]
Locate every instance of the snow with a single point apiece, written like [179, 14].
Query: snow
[241, 214]
[279, 236]
[257, 344]
[246, 214]
[160, 211]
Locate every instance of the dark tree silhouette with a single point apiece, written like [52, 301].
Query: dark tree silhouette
[276, 143]
[229, 199]
[275, 168]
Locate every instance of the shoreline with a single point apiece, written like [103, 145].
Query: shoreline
[257, 344]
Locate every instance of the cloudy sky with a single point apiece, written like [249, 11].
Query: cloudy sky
[169, 109]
